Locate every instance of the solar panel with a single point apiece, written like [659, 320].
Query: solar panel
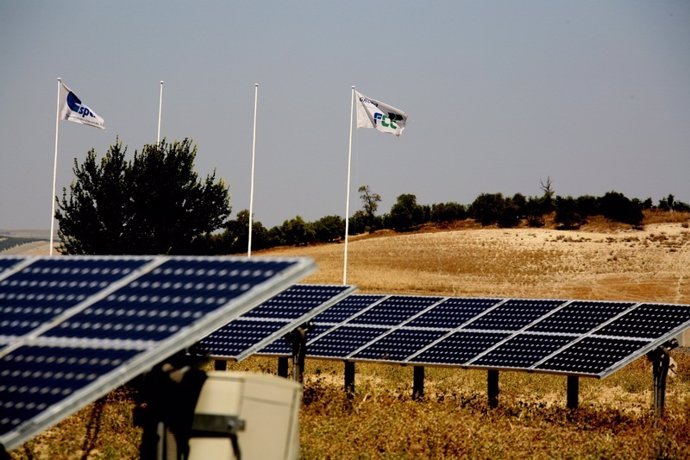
[394, 310]
[347, 308]
[522, 351]
[542, 335]
[272, 320]
[341, 342]
[514, 314]
[45, 289]
[458, 348]
[580, 317]
[398, 345]
[593, 356]
[648, 321]
[7, 262]
[453, 312]
[111, 319]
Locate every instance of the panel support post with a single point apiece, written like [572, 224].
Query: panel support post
[350, 379]
[298, 337]
[418, 383]
[220, 365]
[660, 359]
[492, 387]
[573, 391]
[283, 364]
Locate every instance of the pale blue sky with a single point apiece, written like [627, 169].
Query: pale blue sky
[500, 95]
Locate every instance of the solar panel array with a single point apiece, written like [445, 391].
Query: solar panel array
[74, 328]
[272, 319]
[586, 338]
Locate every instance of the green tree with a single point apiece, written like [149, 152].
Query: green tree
[618, 207]
[447, 212]
[235, 239]
[294, 232]
[568, 214]
[329, 229]
[406, 214]
[487, 208]
[370, 204]
[153, 204]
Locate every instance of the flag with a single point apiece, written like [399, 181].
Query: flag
[72, 109]
[379, 115]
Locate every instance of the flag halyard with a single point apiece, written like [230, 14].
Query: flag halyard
[379, 115]
[72, 109]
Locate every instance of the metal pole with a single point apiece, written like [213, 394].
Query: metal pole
[492, 387]
[350, 379]
[347, 196]
[283, 366]
[52, 196]
[418, 383]
[573, 390]
[160, 111]
[251, 186]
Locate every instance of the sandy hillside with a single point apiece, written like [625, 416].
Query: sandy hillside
[651, 264]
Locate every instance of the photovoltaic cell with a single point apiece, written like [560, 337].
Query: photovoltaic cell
[648, 321]
[297, 301]
[452, 312]
[342, 341]
[398, 345]
[580, 316]
[592, 356]
[107, 319]
[346, 308]
[236, 337]
[34, 379]
[522, 351]
[514, 314]
[48, 287]
[8, 262]
[458, 348]
[394, 310]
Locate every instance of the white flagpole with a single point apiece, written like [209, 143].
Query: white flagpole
[251, 187]
[347, 199]
[52, 196]
[160, 111]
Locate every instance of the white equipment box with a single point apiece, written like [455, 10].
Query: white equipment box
[263, 409]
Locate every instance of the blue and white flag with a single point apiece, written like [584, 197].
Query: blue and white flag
[72, 109]
[379, 115]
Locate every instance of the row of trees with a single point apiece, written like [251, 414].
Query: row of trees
[156, 204]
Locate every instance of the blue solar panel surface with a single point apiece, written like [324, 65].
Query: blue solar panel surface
[589, 338]
[48, 287]
[77, 327]
[272, 320]
[8, 262]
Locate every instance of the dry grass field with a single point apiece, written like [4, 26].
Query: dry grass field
[453, 420]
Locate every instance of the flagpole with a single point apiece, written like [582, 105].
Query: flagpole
[347, 199]
[251, 186]
[160, 111]
[57, 130]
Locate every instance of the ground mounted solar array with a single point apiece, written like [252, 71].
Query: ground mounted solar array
[579, 338]
[74, 328]
[271, 320]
